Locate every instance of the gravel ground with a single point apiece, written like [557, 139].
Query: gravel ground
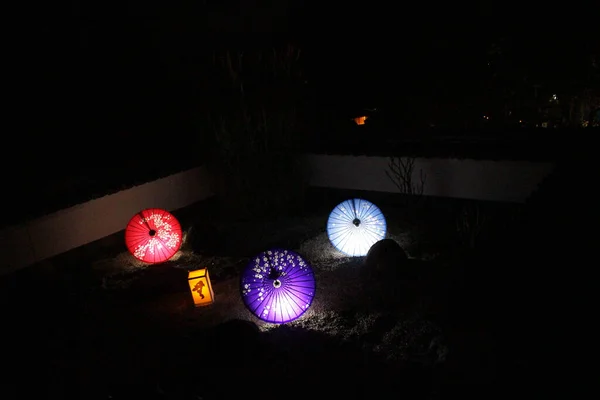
[121, 328]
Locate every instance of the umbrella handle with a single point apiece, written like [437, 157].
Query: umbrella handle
[146, 222]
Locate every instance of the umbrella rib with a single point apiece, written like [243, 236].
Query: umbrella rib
[143, 217]
[162, 251]
[341, 231]
[290, 293]
[276, 303]
[299, 279]
[343, 234]
[294, 272]
[290, 302]
[298, 287]
[344, 212]
[260, 302]
[373, 233]
[342, 243]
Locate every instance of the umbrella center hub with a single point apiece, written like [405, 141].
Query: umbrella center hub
[276, 283]
[152, 232]
[356, 222]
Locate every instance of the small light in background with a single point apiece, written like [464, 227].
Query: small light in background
[360, 120]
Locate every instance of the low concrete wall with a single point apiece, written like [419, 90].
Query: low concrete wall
[43, 238]
[76, 226]
[502, 181]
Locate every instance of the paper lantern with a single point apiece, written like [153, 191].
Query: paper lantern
[200, 287]
[153, 235]
[354, 226]
[278, 286]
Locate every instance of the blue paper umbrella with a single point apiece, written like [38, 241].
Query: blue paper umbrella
[354, 226]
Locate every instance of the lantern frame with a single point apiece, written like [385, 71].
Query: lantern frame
[201, 276]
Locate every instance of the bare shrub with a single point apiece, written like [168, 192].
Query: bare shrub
[470, 224]
[254, 167]
[400, 171]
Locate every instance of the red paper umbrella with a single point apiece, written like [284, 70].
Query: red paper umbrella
[153, 235]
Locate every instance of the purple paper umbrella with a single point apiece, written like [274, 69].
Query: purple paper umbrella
[278, 286]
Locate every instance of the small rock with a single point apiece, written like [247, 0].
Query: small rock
[385, 258]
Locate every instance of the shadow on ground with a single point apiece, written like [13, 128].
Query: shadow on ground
[119, 329]
[236, 358]
[361, 338]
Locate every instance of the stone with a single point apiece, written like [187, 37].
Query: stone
[385, 258]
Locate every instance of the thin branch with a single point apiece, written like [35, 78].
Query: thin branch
[400, 172]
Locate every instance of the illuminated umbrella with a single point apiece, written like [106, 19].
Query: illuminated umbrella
[354, 226]
[278, 286]
[153, 235]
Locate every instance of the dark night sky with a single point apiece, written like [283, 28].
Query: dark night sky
[97, 82]
[107, 67]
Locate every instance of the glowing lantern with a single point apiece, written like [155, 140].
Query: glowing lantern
[200, 286]
[360, 120]
[278, 286]
[354, 226]
[153, 235]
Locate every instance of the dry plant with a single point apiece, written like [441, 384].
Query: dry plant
[254, 130]
[470, 224]
[400, 171]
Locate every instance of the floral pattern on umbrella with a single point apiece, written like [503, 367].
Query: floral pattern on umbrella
[278, 286]
[354, 226]
[153, 235]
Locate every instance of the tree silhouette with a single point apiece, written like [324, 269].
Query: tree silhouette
[252, 113]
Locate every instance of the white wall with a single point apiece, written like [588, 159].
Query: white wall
[67, 229]
[48, 236]
[504, 181]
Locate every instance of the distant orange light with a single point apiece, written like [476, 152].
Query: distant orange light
[360, 120]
